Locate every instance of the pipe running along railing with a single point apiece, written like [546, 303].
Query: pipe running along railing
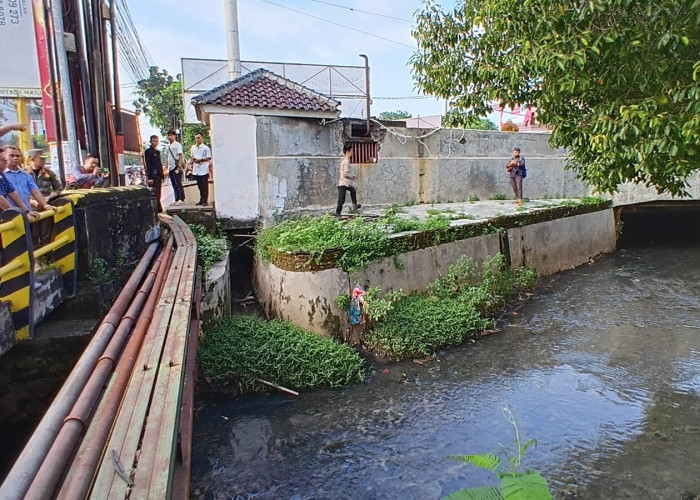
[18, 274]
[121, 425]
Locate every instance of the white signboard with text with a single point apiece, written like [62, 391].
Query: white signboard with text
[18, 58]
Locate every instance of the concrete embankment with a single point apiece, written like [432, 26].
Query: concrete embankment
[546, 235]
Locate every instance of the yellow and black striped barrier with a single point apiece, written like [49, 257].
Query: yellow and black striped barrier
[17, 275]
[63, 247]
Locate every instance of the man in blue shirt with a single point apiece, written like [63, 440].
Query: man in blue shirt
[21, 180]
[8, 192]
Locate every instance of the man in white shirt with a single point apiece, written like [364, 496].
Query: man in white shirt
[175, 172]
[201, 155]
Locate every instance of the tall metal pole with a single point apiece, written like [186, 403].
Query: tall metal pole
[97, 74]
[55, 97]
[83, 45]
[72, 152]
[234, 49]
[367, 98]
[118, 126]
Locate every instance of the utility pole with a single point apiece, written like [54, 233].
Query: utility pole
[234, 49]
[73, 151]
[118, 126]
[368, 100]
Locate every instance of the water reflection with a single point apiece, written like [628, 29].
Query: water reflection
[602, 369]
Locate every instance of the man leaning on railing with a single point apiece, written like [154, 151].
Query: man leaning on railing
[9, 196]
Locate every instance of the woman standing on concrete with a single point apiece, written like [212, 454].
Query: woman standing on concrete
[517, 172]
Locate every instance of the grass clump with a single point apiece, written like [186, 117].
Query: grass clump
[456, 306]
[243, 348]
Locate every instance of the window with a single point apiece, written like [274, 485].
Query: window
[364, 152]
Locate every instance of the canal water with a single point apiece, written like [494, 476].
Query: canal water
[601, 367]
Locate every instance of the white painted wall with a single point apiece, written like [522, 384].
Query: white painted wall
[234, 152]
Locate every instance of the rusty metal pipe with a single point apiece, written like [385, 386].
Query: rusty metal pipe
[19, 479]
[82, 470]
[64, 445]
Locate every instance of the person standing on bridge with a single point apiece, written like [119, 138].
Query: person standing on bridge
[517, 172]
[201, 156]
[8, 193]
[345, 179]
[154, 169]
[175, 167]
[46, 180]
[22, 181]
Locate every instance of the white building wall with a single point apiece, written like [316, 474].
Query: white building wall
[234, 153]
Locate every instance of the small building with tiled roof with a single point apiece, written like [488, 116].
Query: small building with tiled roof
[262, 92]
[243, 115]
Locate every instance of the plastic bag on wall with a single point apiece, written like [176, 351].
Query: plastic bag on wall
[355, 308]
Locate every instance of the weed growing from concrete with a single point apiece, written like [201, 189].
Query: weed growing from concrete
[100, 272]
[210, 248]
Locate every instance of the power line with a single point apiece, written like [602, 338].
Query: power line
[364, 11]
[410, 97]
[338, 24]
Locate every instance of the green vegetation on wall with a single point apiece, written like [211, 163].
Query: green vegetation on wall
[210, 248]
[456, 307]
[312, 243]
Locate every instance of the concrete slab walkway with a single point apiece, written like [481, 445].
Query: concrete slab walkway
[475, 211]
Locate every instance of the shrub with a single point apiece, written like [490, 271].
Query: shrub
[456, 306]
[210, 248]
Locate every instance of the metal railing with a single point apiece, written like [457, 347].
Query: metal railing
[18, 272]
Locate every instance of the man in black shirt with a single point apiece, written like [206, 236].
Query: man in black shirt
[154, 169]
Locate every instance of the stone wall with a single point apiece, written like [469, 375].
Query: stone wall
[114, 224]
[298, 159]
[216, 292]
[307, 299]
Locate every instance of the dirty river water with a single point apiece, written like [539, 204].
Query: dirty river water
[602, 368]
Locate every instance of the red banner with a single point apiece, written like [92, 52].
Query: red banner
[44, 69]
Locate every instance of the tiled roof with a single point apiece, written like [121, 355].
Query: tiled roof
[264, 89]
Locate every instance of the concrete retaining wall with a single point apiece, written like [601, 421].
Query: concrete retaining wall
[216, 297]
[298, 164]
[307, 299]
[295, 167]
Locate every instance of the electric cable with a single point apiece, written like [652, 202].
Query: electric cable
[364, 12]
[338, 24]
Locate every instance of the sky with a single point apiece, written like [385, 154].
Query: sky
[293, 31]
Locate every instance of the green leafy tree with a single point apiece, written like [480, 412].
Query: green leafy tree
[160, 98]
[189, 130]
[481, 124]
[394, 115]
[617, 81]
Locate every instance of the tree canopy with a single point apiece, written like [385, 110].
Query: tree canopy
[160, 98]
[617, 81]
[394, 115]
